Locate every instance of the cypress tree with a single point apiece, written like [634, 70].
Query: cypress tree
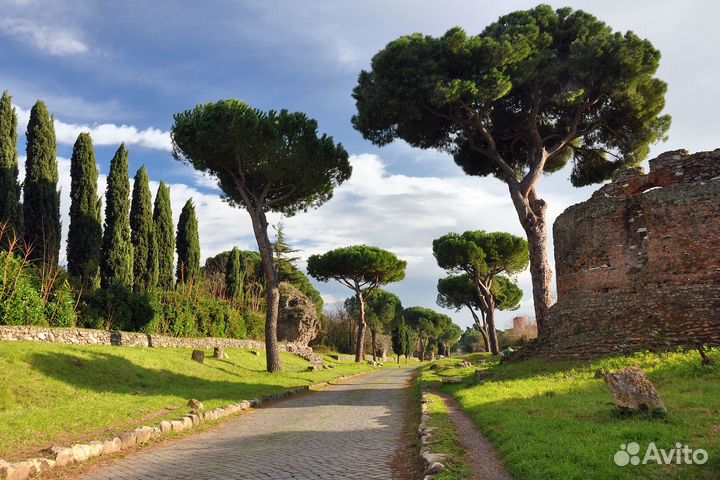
[85, 230]
[188, 244]
[233, 273]
[10, 207]
[164, 238]
[117, 250]
[41, 206]
[141, 225]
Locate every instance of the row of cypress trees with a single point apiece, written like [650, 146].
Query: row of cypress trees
[134, 248]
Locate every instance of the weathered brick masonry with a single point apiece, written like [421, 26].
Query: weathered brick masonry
[638, 264]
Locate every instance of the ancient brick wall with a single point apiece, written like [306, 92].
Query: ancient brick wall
[638, 264]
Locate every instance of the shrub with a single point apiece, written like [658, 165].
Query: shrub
[254, 324]
[20, 299]
[60, 310]
[116, 308]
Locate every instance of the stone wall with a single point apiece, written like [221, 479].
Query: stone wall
[638, 264]
[85, 336]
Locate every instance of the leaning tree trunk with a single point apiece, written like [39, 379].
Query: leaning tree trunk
[492, 332]
[482, 327]
[488, 310]
[272, 290]
[373, 337]
[359, 350]
[531, 212]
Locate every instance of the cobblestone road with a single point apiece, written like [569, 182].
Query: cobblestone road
[347, 431]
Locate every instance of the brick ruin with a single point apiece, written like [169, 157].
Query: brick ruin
[638, 264]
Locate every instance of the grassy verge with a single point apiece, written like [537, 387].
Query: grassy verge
[555, 420]
[444, 434]
[66, 394]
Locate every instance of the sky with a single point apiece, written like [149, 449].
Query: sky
[121, 70]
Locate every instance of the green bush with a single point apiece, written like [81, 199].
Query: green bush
[254, 324]
[60, 311]
[20, 299]
[116, 308]
[178, 315]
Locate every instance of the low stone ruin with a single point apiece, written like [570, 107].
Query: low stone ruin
[298, 322]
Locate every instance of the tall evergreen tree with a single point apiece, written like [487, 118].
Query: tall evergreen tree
[141, 225]
[41, 206]
[283, 255]
[85, 230]
[164, 238]
[10, 207]
[188, 244]
[117, 250]
[233, 275]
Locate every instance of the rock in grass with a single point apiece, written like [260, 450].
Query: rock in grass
[62, 455]
[195, 405]
[15, 471]
[96, 448]
[112, 446]
[81, 452]
[143, 434]
[128, 440]
[198, 356]
[633, 393]
[482, 374]
[434, 468]
[165, 426]
[452, 380]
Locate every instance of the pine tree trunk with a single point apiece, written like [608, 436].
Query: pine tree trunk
[272, 291]
[492, 333]
[482, 327]
[373, 336]
[531, 212]
[359, 351]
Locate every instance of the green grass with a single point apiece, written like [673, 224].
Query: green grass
[447, 442]
[555, 420]
[62, 393]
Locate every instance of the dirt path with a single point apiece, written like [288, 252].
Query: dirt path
[344, 432]
[485, 463]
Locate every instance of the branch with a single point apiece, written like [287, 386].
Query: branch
[491, 152]
[573, 133]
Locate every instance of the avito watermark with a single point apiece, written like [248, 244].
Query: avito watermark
[681, 454]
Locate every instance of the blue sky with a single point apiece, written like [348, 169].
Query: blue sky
[122, 69]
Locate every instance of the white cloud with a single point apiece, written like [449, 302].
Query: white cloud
[104, 133]
[47, 39]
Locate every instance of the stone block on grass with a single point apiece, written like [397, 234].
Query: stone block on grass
[452, 380]
[165, 426]
[62, 455]
[96, 448]
[177, 426]
[143, 434]
[81, 452]
[16, 471]
[112, 446]
[187, 423]
[633, 393]
[198, 356]
[128, 440]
